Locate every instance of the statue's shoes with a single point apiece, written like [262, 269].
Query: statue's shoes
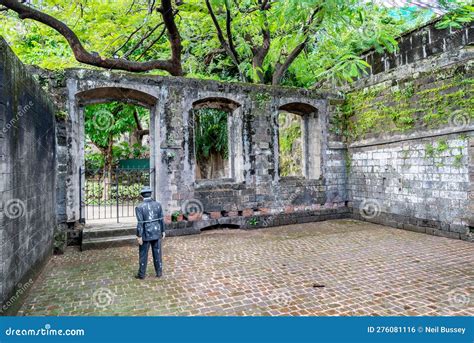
[139, 277]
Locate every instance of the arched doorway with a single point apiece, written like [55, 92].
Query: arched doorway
[111, 126]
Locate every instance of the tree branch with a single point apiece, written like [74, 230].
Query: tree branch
[128, 39]
[137, 119]
[282, 68]
[210, 56]
[228, 21]
[220, 35]
[166, 11]
[173, 65]
[140, 42]
[149, 46]
[260, 53]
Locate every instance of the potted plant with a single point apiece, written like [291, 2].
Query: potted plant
[177, 216]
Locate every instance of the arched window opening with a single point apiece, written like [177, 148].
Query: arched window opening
[211, 144]
[299, 141]
[290, 140]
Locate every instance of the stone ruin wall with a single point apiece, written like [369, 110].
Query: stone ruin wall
[255, 192]
[412, 156]
[27, 179]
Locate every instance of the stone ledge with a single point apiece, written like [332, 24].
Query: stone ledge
[257, 221]
[431, 227]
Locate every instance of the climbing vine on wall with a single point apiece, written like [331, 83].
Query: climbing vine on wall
[412, 104]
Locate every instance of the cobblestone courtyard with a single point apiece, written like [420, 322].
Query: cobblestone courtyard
[341, 267]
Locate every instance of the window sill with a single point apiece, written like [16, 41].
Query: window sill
[300, 180]
[215, 183]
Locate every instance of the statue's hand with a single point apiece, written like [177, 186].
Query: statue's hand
[163, 235]
[140, 240]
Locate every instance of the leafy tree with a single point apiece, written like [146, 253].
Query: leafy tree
[106, 123]
[456, 15]
[294, 43]
[211, 141]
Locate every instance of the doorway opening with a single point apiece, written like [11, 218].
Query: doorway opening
[116, 161]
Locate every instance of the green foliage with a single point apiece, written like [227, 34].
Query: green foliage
[339, 32]
[435, 151]
[404, 107]
[458, 159]
[175, 215]
[211, 135]
[262, 99]
[110, 120]
[93, 160]
[429, 150]
[290, 144]
[442, 146]
[458, 15]
[61, 114]
[95, 194]
[105, 124]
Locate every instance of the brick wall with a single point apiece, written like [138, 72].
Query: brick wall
[27, 179]
[407, 186]
[411, 122]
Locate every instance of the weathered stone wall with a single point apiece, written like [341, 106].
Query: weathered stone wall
[421, 44]
[410, 125]
[254, 187]
[27, 178]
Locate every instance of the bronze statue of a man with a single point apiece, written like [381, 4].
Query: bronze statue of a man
[150, 232]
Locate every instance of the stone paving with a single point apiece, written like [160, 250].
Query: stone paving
[341, 267]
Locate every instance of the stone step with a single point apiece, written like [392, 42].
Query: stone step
[104, 232]
[108, 242]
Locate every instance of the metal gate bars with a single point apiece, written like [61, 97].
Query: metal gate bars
[114, 195]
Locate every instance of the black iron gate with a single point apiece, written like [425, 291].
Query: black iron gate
[111, 196]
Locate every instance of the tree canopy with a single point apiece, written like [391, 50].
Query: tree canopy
[106, 123]
[266, 41]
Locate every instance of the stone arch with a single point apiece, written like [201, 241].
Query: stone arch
[97, 95]
[108, 94]
[298, 108]
[224, 104]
